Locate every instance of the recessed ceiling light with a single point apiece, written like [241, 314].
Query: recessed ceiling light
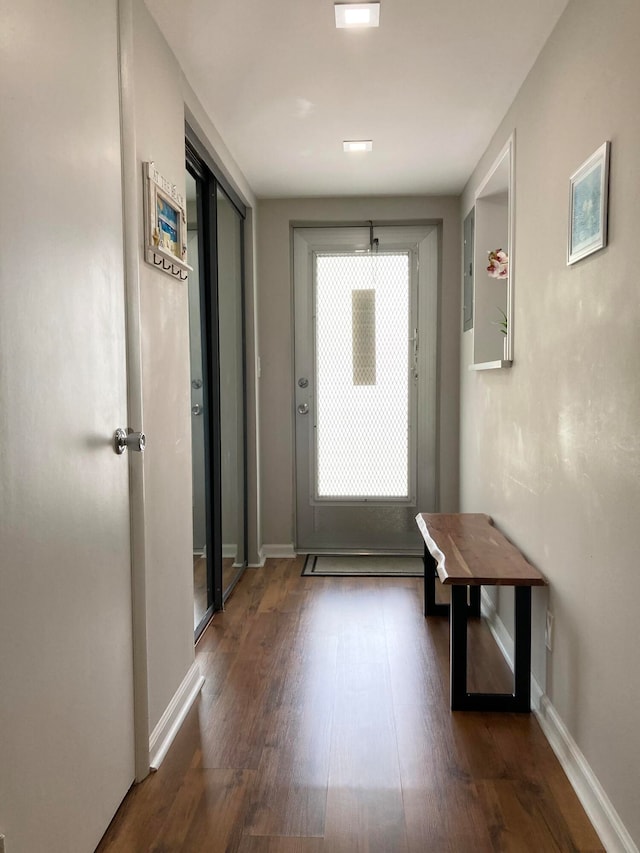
[352, 145]
[357, 14]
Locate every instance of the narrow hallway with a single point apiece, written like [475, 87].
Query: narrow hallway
[324, 725]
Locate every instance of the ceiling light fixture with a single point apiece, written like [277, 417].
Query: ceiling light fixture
[354, 15]
[354, 145]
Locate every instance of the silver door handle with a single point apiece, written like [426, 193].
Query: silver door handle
[196, 409]
[133, 440]
[303, 409]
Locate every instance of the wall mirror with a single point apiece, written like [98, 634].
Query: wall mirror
[493, 290]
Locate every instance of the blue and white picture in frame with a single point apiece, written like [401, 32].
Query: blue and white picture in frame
[168, 218]
[588, 206]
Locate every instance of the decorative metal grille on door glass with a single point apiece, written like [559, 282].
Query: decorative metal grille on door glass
[361, 333]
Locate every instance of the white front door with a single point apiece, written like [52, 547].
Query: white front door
[66, 682]
[365, 335]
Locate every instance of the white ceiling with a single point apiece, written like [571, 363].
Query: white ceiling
[284, 87]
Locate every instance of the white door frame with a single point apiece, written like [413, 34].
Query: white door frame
[131, 217]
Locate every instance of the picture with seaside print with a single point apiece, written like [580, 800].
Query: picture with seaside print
[167, 217]
[588, 206]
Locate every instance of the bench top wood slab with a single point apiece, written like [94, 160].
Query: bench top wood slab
[469, 549]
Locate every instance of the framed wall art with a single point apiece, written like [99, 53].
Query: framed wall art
[165, 224]
[588, 202]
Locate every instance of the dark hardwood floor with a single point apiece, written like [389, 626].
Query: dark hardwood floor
[324, 727]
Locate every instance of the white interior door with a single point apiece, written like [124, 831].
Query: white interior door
[66, 683]
[365, 327]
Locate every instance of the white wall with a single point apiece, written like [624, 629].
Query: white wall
[166, 384]
[550, 448]
[276, 338]
[162, 98]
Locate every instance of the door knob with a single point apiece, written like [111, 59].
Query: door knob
[303, 409]
[133, 440]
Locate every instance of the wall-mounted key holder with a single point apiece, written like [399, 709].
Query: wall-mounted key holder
[165, 225]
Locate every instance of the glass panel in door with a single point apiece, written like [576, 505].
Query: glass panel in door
[232, 414]
[361, 330]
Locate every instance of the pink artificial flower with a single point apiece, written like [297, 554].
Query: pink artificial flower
[498, 264]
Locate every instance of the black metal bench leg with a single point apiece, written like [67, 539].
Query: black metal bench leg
[522, 651]
[520, 700]
[430, 575]
[458, 648]
[429, 582]
[474, 601]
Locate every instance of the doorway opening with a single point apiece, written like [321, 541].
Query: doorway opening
[365, 374]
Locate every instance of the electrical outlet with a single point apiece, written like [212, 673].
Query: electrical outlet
[548, 634]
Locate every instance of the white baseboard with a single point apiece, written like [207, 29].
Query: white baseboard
[497, 627]
[584, 782]
[173, 717]
[287, 552]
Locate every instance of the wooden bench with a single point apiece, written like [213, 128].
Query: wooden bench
[465, 551]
